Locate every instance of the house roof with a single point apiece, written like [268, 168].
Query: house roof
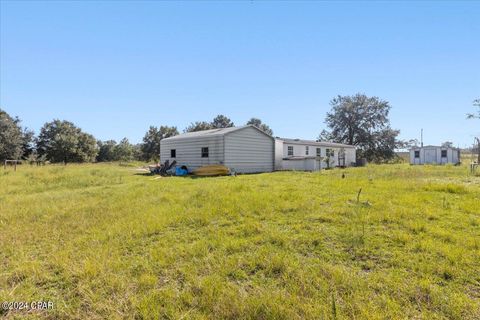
[316, 143]
[211, 133]
[431, 147]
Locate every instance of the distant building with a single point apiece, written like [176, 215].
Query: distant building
[434, 155]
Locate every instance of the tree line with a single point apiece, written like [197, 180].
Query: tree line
[356, 120]
[61, 141]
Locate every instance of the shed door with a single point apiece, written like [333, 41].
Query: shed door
[430, 156]
[416, 160]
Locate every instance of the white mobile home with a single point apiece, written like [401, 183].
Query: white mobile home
[244, 149]
[296, 154]
[434, 155]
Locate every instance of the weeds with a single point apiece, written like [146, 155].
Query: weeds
[389, 241]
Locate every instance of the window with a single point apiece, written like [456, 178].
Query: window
[290, 150]
[444, 153]
[319, 152]
[173, 153]
[330, 153]
[417, 154]
[205, 152]
[306, 150]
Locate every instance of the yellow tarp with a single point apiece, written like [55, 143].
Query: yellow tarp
[212, 170]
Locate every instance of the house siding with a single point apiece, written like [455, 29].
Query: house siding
[299, 150]
[307, 164]
[189, 151]
[248, 151]
[279, 154]
[350, 156]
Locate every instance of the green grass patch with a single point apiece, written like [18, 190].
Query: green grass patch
[104, 242]
[448, 188]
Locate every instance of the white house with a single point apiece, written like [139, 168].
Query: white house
[434, 155]
[296, 154]
[244, 149]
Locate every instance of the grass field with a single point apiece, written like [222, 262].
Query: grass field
[103, 242]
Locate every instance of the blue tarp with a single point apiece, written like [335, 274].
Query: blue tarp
[180, 172]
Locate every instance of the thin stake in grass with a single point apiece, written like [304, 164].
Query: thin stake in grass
[334, 307]
[358, 195]
[358, 211]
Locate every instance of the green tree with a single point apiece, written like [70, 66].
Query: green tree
[410, 144]
[260, 125]
[150, 148]
[221, 121]
[198, 126]
[137, 152]
[87, 149]
[28, 145]
[476, 103]
[124, 151]
[62, 141]
[106, 150]
[363, 122]
[12, 139]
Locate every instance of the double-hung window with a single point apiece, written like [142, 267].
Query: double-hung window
[290, 151]
[204, 152]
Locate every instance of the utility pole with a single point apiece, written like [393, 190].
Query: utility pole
[478, 150]
[421, 138]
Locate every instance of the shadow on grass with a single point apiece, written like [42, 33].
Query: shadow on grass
[189, 176]
[145, 174]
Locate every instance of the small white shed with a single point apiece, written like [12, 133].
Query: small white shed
[434, 155]
[245, 149]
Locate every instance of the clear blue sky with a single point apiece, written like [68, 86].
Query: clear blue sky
[116, 67]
